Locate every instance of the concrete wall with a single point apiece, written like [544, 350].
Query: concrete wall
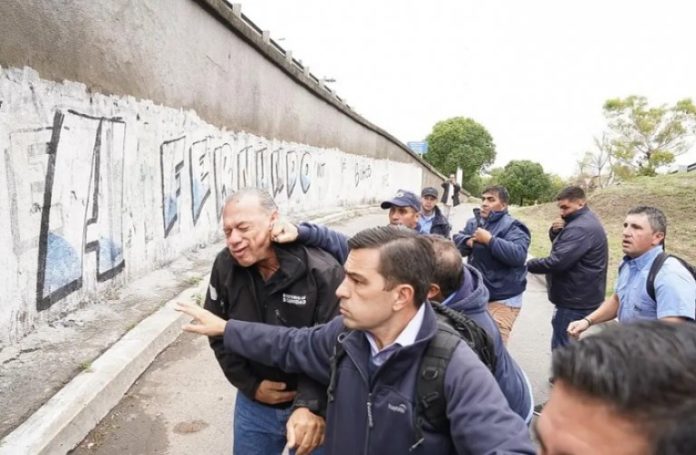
[130, 122]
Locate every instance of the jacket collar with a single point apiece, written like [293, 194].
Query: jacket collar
[576, 214]
[472, 296]
[495, 216]
[644, 260]
[357, 347]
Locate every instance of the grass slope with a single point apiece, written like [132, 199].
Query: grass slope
[674, 194]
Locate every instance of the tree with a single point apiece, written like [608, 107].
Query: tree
[525, 181]
[460, 142]
[647, 137]
[597, 168]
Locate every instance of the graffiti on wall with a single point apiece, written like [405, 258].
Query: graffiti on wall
[220, 167]
[74, 189]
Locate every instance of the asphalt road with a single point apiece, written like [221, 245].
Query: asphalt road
[183, 404]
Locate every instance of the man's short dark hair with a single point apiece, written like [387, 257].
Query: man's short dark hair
[571, 193]
[646, 372]
[656, 218]
[448, 270]
[404, 257]
[500, 191]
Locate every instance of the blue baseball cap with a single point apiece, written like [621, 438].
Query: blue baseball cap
[403, 198]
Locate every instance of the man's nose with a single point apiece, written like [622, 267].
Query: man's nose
[342, 290]
[234, 237]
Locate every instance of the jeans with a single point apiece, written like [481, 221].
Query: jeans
[560, 320]
[260, 429]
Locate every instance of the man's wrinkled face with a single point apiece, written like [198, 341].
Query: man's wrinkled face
[428, 203]
[569, 206]
[247, 227]
[405, 216]
[365, 301]
[573, 423]
[490, 202]
[638, 236]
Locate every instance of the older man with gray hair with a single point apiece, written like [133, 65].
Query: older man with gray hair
[256, 280]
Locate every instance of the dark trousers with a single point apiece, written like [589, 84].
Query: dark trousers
[560, 320]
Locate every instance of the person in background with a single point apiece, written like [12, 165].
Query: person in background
[432, 221]
[576, 268]
[497, 244]
[450, 195]
[674, 297]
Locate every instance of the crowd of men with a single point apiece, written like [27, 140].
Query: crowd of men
[325, 337]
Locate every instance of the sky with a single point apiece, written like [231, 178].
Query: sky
[534, 73]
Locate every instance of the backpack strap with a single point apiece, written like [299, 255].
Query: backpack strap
[477, 338]
[654, 269]
[430, 383]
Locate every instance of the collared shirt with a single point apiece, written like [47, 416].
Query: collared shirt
[406, 338]
[675, 290]
[426, 222]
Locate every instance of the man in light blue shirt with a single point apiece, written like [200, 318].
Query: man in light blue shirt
[675, 289]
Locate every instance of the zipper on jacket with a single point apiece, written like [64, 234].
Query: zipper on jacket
[370, 423]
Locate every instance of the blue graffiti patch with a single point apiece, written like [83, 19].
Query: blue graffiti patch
[110, 255]
[63, 264]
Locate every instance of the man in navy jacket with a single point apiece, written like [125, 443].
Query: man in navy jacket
[576, 268]
[497, 245]
[460, 287]
[384, 329]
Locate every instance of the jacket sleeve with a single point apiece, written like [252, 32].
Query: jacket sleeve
[568, 248]
[553, 234]
[333, 242]
[511, 248]
[305, 350]
[328, 275]
[464, 235]
[480, 419]
[235, 367]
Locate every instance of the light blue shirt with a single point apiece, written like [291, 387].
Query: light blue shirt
[675, 289]
[406, 338]
[426, 223]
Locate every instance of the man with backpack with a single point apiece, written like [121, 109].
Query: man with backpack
[385, 331]
[460, 287]
[651, 284]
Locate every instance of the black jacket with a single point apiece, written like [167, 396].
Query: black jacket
[445, 193]
[576, 269]
[440, 224]
[303, 294]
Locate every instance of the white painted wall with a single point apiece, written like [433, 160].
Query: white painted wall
[96, 190]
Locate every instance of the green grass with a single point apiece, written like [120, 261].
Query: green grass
[674, 194]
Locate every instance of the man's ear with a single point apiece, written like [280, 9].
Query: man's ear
[434, 291]
[274, 218]
[658, 238]
[404, 296]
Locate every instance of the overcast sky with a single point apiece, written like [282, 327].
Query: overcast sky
[534, 73]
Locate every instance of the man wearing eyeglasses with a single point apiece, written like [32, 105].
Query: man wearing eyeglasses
[576, 268]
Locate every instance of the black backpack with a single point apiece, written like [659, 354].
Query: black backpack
[453, 327]
[657, 265]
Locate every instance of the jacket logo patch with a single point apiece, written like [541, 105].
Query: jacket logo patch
[299, 300]
[400, 408]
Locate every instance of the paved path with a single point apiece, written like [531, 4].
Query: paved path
[183, 404]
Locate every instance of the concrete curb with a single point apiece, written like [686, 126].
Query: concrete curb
[64, 420]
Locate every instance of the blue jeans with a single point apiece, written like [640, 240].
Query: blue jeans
[560, 320]
[260, 429]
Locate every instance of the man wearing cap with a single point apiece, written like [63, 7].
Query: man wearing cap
[404, 210]
[432, 221]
